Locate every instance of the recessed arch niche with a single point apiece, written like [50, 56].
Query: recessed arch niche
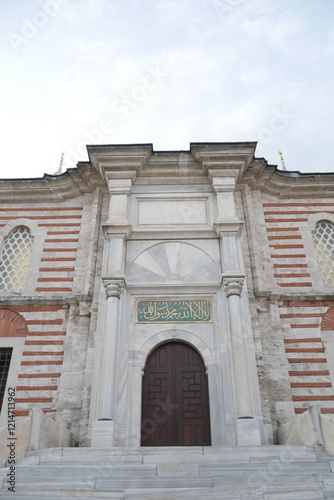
[174, 262]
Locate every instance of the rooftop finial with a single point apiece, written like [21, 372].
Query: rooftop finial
[60, 169]
[282, 160]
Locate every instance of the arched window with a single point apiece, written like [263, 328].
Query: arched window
[15, 259]
[323, 238]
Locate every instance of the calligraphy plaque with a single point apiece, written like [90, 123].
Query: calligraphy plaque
[174, 311]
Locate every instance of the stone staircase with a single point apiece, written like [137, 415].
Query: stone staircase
[173, 473]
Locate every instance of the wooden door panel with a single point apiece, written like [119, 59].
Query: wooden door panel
[175, 402]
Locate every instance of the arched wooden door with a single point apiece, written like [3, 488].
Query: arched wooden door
[175, 399]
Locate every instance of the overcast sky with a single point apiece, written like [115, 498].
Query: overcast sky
[167, 72]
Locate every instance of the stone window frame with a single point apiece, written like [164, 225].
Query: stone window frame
[306, 230]
[38, 234]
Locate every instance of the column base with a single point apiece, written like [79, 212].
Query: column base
[103, 434]
[248, 432]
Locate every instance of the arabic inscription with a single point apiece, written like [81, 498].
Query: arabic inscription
[174, 311]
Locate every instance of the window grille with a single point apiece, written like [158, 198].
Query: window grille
[323, 237]
[15, 260]
[5, 357]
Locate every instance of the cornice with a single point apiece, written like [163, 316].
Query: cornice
[50, 188]
[201, 164]
[285, 184]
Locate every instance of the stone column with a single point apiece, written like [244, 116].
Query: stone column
[109, 348]
[103, 427]
[243, 390]
[247, 426]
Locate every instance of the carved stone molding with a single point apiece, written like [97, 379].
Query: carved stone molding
[114, 288]
[233, 286]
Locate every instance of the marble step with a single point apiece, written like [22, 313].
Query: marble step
[162, 494]
[176, 455]
[61, 495]
[107, 483]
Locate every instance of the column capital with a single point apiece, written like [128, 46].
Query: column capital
[233, 285]
[232, 227]
[114, 288]
[120, 186]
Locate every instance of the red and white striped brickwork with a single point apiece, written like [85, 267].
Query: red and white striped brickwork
[42, 357]
[301, 319]
[43, 352]
[60, 246]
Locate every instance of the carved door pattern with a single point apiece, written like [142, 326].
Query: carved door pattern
[175, 400]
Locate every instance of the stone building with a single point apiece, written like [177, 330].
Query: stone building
[161, 299]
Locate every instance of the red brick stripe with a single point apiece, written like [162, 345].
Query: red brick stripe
[39, 217]
[310, 384]
[43, 342]
[56, 269]
[281, 247]
[308, 360]
[298, 204]
[48, 280]
[303, 315]
[40, 375]
[295, 212]
[313, 398]
[37, 388]
[285, 220]
[58, 259]
[59, 249]
[295, 284]
[48, 334]
[45, 322]
[295, 341]
[307, 325]
[311, 349]
[289, 265]
[312, 373]
[53, 209]
[327, 410]
[32, 363]
[33, 400]
[21, 413]
[42, 353]
[292, 275]
[65, 224]
[289, 256]
[53, 289]
[38, 308]
[278, 229]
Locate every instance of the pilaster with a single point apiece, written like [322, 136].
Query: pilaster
[103, 427]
